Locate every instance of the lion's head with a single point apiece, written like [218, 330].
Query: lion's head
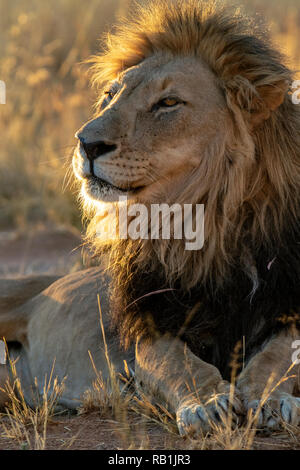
[195, 108]
[156, 123]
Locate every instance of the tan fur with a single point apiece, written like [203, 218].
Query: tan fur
[190, 387]
[270, 365]
[270, 377]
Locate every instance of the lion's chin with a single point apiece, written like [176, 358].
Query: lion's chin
[95, 189]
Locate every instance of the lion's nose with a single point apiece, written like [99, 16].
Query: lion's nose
[97, 149]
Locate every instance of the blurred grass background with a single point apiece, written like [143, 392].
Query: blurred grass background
[48, 95]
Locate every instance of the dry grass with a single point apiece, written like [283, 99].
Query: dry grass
[48, 98]
[20, 422]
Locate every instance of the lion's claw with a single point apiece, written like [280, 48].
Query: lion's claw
[193, 419]
[276, 411]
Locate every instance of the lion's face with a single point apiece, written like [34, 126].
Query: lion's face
[154, 124]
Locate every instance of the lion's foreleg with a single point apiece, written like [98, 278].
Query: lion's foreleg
[268, 383]
[192, 388]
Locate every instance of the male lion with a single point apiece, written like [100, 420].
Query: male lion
[194, 108]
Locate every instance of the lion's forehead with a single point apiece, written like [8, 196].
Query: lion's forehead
[159, 72]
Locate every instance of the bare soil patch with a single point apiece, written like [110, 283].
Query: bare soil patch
[97, 432]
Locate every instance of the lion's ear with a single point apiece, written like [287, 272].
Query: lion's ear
[256, 102]
[268, 99]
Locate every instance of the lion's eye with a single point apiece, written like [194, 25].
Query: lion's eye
[168, 102]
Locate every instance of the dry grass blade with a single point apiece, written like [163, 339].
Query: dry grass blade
[28, 426]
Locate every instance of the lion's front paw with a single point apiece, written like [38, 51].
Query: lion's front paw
[276, 411]
[194, 418]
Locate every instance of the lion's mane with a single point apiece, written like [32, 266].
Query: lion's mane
[248, 274]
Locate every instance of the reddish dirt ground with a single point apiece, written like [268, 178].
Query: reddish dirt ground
[95, 432]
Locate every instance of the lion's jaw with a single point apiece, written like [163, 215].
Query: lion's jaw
[152, 148]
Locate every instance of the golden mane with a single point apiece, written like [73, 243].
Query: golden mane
[249, 199]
